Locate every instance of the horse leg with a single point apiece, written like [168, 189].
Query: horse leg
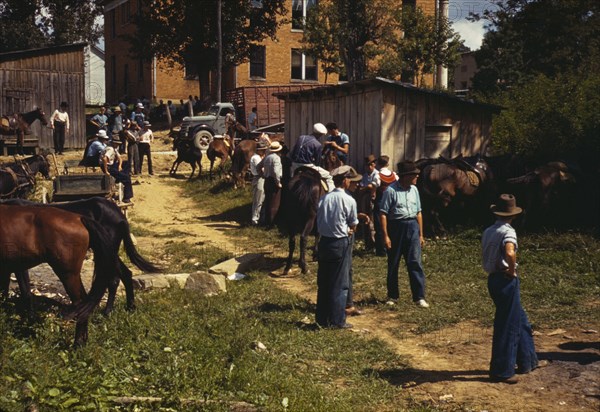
[193, 164]
[174, 167]
[126, 277]
[113, 285]
[25, 289]
[4, 284]
[302, 260]
[291, 248]
[199, 161]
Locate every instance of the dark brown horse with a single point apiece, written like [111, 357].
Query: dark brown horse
[240, 161]
[330, 159]
[298, 213]
[32, 235]
[19, 123]
[221, 149]
[461, 182]
[18, 178]
[189, 153]
[110, 217]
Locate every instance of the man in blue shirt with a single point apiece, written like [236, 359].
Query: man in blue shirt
[338, 141]
[512, 342]
[402, 229]
[307, 152]
[336, 220]
[138, 115]
[100, 120]
[94, 152]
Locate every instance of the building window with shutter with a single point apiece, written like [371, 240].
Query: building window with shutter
[299, 10]
[304, 67]
[258, 62]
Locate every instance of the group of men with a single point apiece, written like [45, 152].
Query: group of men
[398, 217]
[131, 135]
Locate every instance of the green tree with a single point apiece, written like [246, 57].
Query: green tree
[526, 38]
[26, 24]
[185, 31]
[378, 38]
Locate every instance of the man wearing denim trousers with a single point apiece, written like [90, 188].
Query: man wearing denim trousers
[402, 230]
[513, 338]
[336, 220]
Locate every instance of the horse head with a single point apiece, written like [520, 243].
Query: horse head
[39, 114]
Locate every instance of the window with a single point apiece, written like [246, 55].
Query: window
[257, 61]
[141, 69]
[125, 12]
[299, 10]
[304, 67]
[191, 69]
[126, 78]
[113, 23]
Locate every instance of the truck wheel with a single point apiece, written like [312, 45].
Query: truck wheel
[202, 138]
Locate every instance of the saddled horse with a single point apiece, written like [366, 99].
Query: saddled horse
[32, 235]
[19, 124]
[458, 182]
[221, 149]
[189, 153]
[18, 178]
[114, 222]
[298, 213]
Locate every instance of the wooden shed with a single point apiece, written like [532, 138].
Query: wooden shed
[387, 117]
[44, 78]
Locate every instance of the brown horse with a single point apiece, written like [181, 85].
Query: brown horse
[189, 153]
[19, 123]
[240, 161]
[18, 178]
[298, 213]
[221, 149]
[32, 235]
[461, 182]
[330, 159]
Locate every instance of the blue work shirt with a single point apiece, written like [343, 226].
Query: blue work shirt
[493, 243]
[102, 120]
[307, 150]
[138, 117]
[398, 203]
[336, 213]
[95, 149]
[340, 140]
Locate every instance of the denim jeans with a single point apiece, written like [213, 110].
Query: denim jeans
[404, 235]
[332, 281]
[513, 338]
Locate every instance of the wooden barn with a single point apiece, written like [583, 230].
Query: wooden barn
[387, 117]
[44, 78]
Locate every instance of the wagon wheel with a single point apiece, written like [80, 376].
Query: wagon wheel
[202, 139]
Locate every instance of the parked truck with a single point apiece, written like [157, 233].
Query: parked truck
[204, 127]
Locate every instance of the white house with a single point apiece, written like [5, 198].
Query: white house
[95, 92]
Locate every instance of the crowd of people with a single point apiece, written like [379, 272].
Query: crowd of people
[398, 230]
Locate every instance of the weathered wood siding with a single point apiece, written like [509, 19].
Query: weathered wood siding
[357, 113]
[44, 78]
[382, 117]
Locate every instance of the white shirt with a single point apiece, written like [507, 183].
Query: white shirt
[146, 136]
[60, 116]
[112, 155]
[254, 161]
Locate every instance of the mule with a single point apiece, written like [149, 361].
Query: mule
[298, 213]
[221, 149]
[110, 217]
[32, 235]
[459, 182]
[240, 161]
[189, 153]
[33, 165]
[19, 124]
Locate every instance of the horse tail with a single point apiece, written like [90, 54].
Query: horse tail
[132, 253]
[105, 267]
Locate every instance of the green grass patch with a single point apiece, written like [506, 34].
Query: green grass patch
[182, 347]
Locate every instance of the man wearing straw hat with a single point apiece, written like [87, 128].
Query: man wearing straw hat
[512, 342]
[258, 183]
[272, 170]
[112, 164]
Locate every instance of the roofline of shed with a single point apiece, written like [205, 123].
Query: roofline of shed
[379, 80]
[20, 54]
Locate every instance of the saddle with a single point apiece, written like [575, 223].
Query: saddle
[313, 174]
[9, 122]
[474, 173]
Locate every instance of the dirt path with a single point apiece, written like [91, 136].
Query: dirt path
[448, 366]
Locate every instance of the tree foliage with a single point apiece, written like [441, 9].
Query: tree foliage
[526, 38]
[378, 38]
[185, 31]
[539, 60]
[27, 24]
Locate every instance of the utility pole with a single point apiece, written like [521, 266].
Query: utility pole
[220, 50]
[442, 72]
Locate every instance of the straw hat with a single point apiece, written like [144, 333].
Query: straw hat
[348, 172]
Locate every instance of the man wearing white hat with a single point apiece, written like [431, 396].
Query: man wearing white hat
[272, 170]
[307, 152]
[93, 154]
[138, 115]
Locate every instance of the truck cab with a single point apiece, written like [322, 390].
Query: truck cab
[205, 126]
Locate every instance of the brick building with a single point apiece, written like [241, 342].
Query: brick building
[278, 62]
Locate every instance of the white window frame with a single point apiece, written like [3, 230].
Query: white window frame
[304, 11]
[303, 68]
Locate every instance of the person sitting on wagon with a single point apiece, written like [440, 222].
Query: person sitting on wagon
[113, 165]
[94, 150]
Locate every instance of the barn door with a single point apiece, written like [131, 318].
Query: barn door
[438, 140]
[17, 100]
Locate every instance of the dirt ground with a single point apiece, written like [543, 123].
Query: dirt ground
[448, 368]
